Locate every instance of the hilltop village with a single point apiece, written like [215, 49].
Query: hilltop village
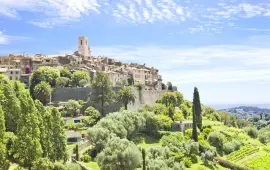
[80, 112]
[20, 67]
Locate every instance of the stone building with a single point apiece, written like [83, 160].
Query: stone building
[83, 47]
[11, 73]
[181, 125]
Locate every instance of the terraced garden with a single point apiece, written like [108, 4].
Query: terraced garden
[243, 152]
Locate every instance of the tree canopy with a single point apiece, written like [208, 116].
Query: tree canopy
[126, 96]
[103, 92]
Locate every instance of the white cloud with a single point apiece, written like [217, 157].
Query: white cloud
[7, 39]
[59, 10]
[211, 17]
[208, 64]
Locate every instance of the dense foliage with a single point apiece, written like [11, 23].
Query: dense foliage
[34, 134]
[103, 92]
[125, 96]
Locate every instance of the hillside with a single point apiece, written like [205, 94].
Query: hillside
[246, 112]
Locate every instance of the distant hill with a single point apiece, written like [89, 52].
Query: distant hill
[245, 112]
[247, 109]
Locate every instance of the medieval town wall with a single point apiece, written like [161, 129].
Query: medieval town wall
[142, 97]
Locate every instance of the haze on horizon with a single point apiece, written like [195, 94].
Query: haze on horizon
[220, 46]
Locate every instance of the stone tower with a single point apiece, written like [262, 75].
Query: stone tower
[83, 47]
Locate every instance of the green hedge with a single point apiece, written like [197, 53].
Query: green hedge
[230, 165]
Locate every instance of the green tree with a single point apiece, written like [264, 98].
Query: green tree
[65, 73]
[3, 151]
[160, 109]
[83, 83]
[11, 107]
[58, 135]
[18, 87]
[143, 158]
[216, 139]
[43, 164]
[77, 152]
[194, 119]
[62, 82]
[170, 87]
[125, 96]
[179, 98]
[252, 132]
[197, 110]
[72, 108]
[77, 76]
[93, 116]
[42, 92]
[47, 74]
[171, 111]
[45, 126]
[185, 110]
[28, 147]
[119, 154]
[103, 93]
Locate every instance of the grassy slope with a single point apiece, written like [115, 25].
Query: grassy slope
[93, 165]
[13, 166]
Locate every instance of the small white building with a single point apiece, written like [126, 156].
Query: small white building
[11, 73]
[181, 125]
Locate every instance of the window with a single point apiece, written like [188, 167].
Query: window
[86, 42]
[10, 77]
[16, 78]
[16, 72]
[81, 42]
[47, 61]
[11, 72]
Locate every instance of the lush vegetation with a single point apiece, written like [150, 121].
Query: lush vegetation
[242, 153]
[32, 134]
[262, 162]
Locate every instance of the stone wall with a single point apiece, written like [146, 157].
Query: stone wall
[83, 93]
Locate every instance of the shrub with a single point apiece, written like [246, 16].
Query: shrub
[194, 158]
[59, 166]
[83, 83]
[86, 157]
[207, 157]
[73, 166]
[263, 139]
[91, 111]
[139, 86]
[43, 163]
[62, 82]
[178, 116]
[252, 132]
[229, 147]
[163, 122]
[187, 161]
[206, 131]
[216, 139]
[229, 164]
[160, 109]
[147, 108]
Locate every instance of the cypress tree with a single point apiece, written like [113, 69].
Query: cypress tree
[58, 135]
[197, 108]
[77, 153]
[194, 116]
[143, 157]
[3, 151]
[28, 147]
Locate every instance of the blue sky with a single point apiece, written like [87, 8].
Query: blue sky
[220, 46]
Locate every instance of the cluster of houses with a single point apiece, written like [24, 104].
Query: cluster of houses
[20, 67]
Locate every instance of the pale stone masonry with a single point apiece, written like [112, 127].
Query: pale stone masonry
[82, 60]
